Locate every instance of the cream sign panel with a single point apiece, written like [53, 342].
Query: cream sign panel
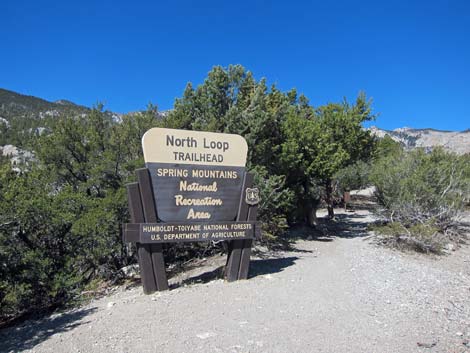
[196, 176]
[194, 147]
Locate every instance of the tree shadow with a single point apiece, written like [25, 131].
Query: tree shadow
[258, 267]
[345, 225]
[32, 332]
[349, 226]
[268, 266]
[206, 277]
[318, 233]
[285, 244]
[323, 239]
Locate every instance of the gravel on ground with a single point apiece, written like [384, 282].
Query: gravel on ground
[336, 293]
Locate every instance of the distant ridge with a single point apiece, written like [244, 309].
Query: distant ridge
[65, 102]
[13, 105]
[16, 105]
[428, 138]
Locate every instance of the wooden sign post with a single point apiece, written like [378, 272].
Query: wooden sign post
[194, 188]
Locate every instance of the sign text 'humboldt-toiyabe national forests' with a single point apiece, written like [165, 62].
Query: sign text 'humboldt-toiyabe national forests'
[196, 176]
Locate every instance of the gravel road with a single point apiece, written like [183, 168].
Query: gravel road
[339, 293]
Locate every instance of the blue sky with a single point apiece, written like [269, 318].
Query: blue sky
[411, 57]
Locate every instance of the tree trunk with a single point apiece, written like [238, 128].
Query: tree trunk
[312, 217]
[329, 199]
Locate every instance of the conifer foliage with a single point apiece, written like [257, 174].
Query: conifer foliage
[60, 217]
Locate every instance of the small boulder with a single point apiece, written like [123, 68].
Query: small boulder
[131, 271]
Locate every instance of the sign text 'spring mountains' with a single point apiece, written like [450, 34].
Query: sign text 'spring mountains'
[194, 188]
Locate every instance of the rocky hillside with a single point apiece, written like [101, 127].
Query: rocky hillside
[23, 117]
[14, 105]
[454, 141]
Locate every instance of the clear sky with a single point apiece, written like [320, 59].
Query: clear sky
[411, 57]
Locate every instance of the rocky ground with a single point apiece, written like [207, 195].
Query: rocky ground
[335, 293]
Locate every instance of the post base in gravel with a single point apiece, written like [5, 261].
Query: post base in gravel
[149, 233]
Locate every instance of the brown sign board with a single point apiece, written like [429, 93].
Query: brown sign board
[194, 188]
[196, 176]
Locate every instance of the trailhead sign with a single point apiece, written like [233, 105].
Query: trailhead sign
[194, 188]
[196, 176]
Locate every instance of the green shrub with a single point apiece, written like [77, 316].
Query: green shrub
[353, 177]
[276, 201]
[60, 221]
[424, 238]
[422, 194]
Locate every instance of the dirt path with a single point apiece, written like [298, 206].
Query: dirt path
[336, 294]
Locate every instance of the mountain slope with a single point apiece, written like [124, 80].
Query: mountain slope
[22, 116]
[13, 105]
[454, 141]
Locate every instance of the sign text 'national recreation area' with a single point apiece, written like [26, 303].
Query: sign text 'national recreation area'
[196, 176]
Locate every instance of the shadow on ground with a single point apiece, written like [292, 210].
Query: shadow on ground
[32, 332]
[345, 225]
[349, 226]
[268, 266]
[205, 277]
[258, 267]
